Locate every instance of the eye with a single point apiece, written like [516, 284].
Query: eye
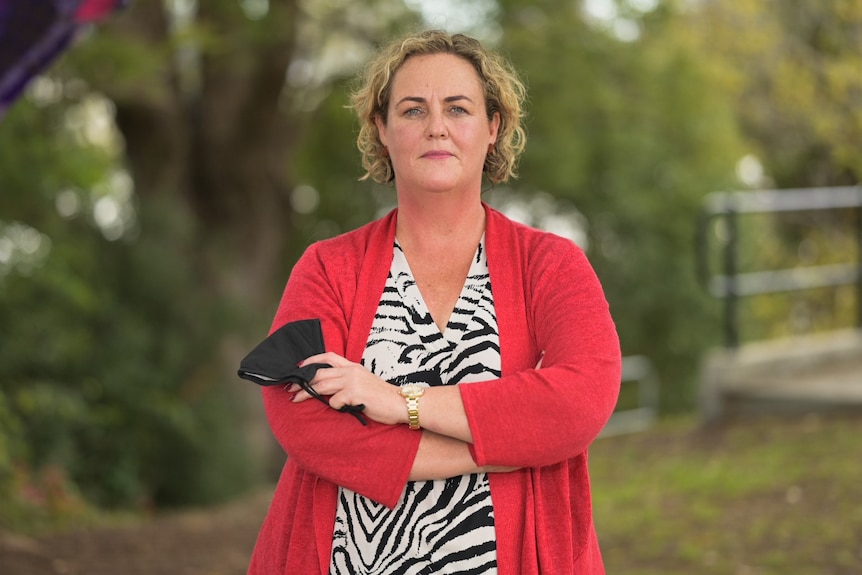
[410, 112]
[458, 110]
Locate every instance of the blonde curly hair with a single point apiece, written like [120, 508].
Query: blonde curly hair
[504, 94]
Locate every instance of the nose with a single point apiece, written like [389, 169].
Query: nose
[436, 127]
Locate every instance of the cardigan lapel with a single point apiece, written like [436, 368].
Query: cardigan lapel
[373, 271]
[512, 492]
[507, 262]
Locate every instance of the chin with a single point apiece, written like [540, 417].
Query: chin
[438, 188]
[434, 185]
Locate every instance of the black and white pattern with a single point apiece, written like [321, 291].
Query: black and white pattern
[438, 527]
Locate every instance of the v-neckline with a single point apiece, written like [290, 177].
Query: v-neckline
[413, 298]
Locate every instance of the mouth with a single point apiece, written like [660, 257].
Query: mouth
[437, 155]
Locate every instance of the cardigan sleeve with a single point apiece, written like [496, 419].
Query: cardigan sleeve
[372, 460]
[537, 417]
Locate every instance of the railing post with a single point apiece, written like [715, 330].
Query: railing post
[732, 285]
[859, 259]
[731, 328]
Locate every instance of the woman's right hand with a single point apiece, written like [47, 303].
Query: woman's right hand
[349, 383]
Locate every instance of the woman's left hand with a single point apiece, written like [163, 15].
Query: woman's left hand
[348, 383]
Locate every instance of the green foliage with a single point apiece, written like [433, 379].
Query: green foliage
[634, 134]
[330, 163]
[793, 69]
[131, 66]
[105, 375]
[11, 443]
[39, 157]
[104, 358]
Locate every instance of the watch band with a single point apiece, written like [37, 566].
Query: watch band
[411, 394]
[413, 412]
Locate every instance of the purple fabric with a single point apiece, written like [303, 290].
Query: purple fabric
[34, 32]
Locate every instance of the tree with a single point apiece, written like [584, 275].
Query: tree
[792, 69]
[105, 382]
[149, 307]
[632, 132]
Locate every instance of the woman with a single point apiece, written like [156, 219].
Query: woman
[482, 351]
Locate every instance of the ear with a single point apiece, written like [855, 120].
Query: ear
[381, 129]
[494, 127]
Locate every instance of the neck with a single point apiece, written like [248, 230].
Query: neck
[437, 221]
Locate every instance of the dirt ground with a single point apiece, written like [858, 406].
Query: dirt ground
[211, 542]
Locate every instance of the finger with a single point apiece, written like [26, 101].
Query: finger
[328, 357]
[333, 378]
[303, 395]
[297, 388]
[305, 390]
[311, 359]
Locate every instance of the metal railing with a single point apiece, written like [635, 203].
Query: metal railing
[638, 370]
[731, 284]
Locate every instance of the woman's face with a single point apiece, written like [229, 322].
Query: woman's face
[437, 129]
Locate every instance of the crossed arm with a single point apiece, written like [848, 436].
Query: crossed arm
[530, 418]
[444, 445]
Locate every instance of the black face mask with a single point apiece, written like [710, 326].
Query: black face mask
[274, 360]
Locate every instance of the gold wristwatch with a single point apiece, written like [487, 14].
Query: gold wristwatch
[412, 392]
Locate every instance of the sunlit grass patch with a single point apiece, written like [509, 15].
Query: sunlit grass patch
[755, 496]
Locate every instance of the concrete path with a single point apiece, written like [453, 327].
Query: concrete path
[805, 373]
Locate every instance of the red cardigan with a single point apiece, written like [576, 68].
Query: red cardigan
[547, 298]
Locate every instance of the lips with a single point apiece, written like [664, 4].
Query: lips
[437, 155]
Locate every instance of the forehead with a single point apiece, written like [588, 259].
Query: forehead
[446, 73]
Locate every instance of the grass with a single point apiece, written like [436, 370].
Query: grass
[759, 496]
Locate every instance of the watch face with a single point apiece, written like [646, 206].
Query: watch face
[411, 390]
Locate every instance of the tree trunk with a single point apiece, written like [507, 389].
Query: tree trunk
[218, 137]
[213, 139]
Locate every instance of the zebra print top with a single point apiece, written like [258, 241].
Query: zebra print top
[443, 526]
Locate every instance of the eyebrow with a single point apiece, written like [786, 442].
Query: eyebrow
[421, 100]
